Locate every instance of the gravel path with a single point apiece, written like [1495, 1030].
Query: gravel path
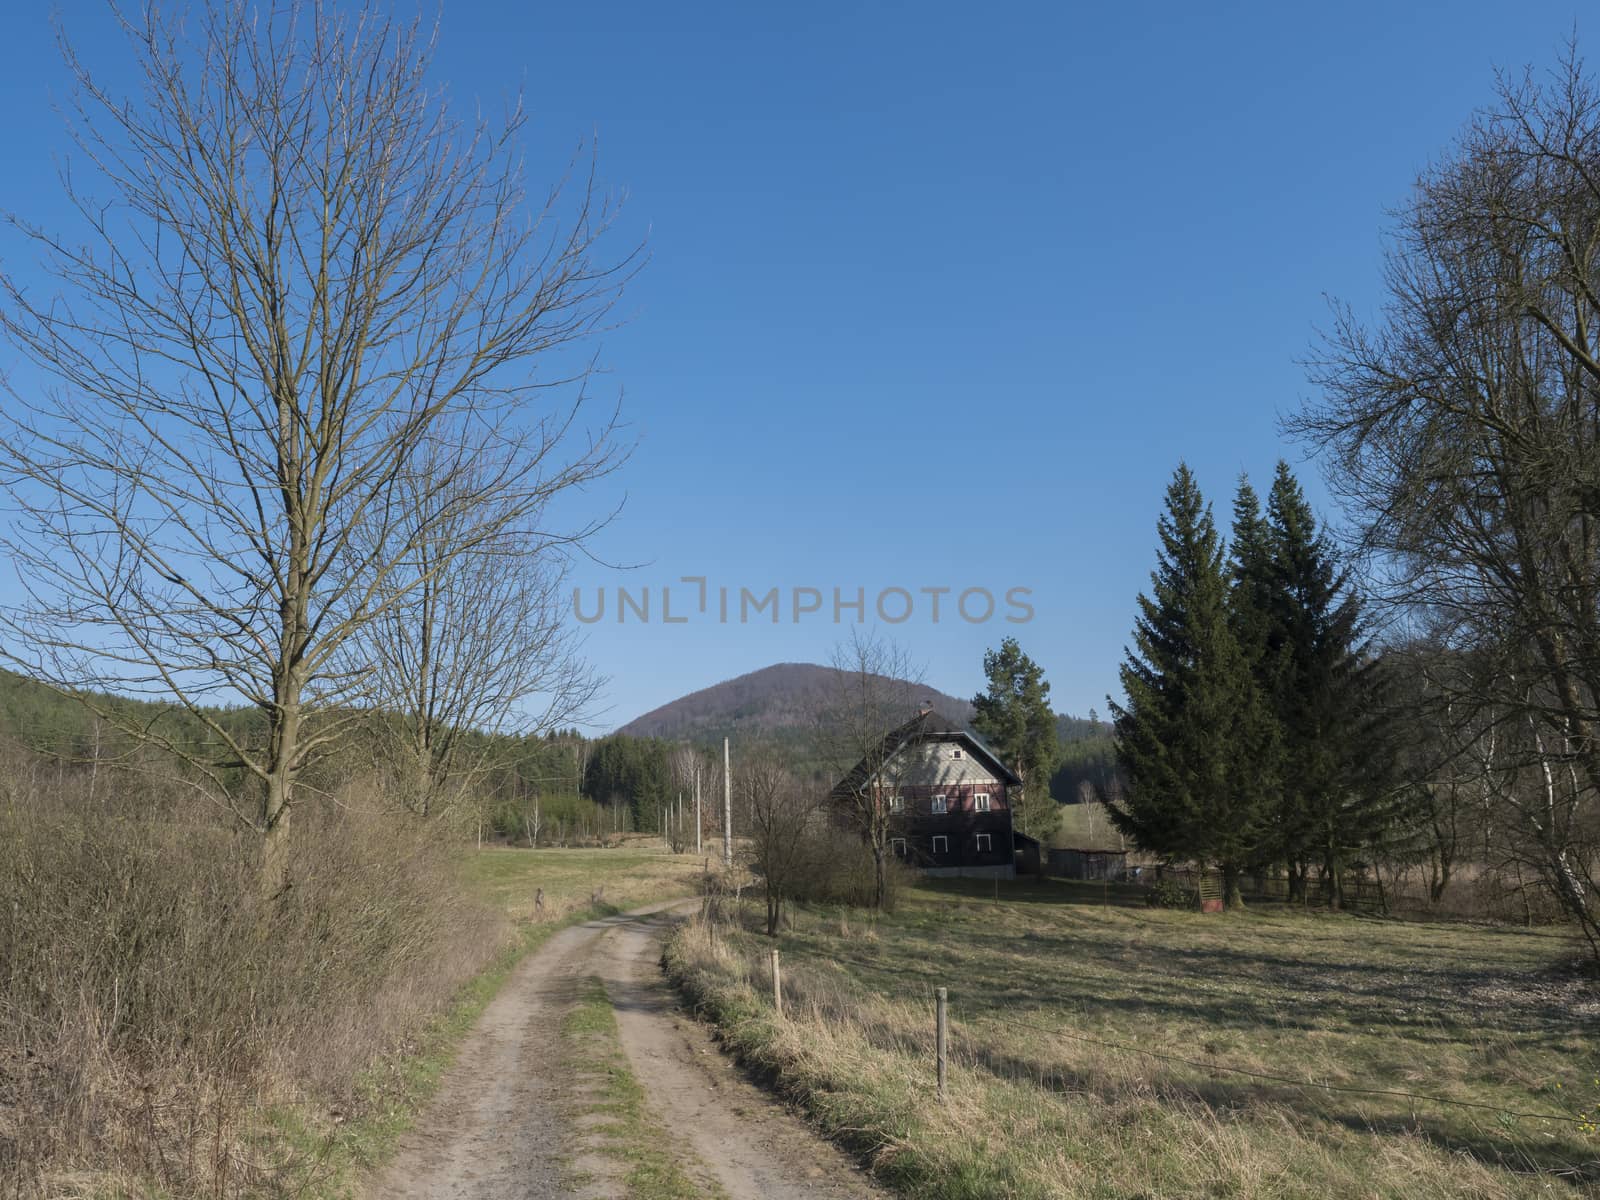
[497, 1128]
[754, 1146]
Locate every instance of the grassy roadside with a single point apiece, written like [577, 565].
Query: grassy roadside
[625, 1150]
[1473, 1014]
[338, 1152]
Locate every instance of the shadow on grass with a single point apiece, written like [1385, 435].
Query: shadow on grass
[1402, 994]
[1568, 1158]
[1277, 969]
[1032, 890]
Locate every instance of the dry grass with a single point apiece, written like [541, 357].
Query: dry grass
[165, 1032]
[624, 1149]
[1489, 1015]
[156, 1014]
[626, 876]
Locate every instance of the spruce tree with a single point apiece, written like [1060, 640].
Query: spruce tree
[1251, 573]
[1252, 605]
[1014, 716]
[1336, 762]
[1193, 716]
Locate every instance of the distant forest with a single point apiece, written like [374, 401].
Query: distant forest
[618, 772]
[1086, 763]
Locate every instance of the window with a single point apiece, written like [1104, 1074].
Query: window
[941, 844]
[898, 845]
[897, 802]
[956, 753]
[985, 842]
[980, 802]
[939, 805]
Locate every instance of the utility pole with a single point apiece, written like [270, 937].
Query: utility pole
[697, 765]
[727, 808]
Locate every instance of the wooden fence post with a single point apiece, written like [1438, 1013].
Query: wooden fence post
[942, 1026]
[777, 986]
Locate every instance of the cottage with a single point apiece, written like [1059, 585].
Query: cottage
[946, 796]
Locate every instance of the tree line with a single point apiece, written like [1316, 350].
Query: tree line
[1460, 430]
[1251, 735]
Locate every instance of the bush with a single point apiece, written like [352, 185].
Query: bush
[844, 872]
[154, 1009]
[1169, 893]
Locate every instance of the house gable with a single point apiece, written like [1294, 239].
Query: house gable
[939, 764]
[923, 745]
[945, 791]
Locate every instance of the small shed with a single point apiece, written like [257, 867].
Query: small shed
[1089, 863]
[1028, 854]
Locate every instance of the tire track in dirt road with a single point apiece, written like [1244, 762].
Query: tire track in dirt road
[756, 1148]
[500, 1126]
[495, 1129]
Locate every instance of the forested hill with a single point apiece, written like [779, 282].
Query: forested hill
[781, 701]
[46, 722]
[775, 699]
[36, 716]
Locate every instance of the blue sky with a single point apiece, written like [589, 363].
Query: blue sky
[939, 295]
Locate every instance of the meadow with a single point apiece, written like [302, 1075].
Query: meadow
[1100, 1048]
[636, 872]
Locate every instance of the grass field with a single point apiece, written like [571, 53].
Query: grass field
[1489, 1016]
[1086, 827]
[627, 877]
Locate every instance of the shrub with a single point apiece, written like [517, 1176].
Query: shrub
[1169, 893]
[844, 872]
[154, 1008]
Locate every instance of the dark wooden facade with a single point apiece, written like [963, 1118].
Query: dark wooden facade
[961, 835]
[1076, 863]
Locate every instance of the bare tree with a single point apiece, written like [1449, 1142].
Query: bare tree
[1464, 430]
[304, 276]
[689, 772]
[874, 691]
[781, 816]
[1445, 752]
[474, 643]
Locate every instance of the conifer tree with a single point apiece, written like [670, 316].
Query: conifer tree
[1251, 574]
[1014, 716]
[1335, 797]
[1252, 607]
[1193, 715]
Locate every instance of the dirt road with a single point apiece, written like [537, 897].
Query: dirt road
[499, 1128]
